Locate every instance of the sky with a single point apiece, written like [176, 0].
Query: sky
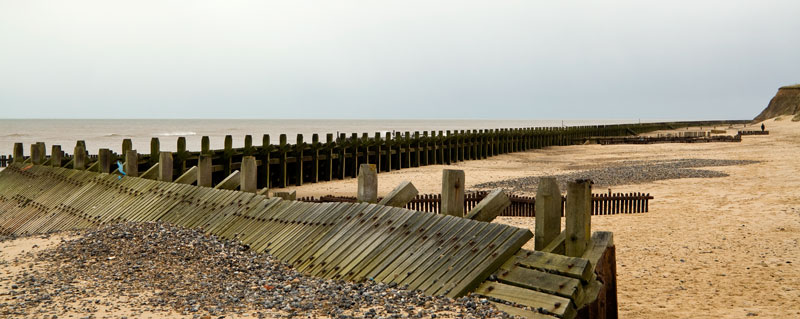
[396, 59]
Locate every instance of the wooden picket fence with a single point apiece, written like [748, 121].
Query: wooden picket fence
[521, 206]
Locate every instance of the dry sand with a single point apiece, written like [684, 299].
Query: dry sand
[709, 247]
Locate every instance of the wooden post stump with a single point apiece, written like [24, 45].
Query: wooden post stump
[249, 175]
[104, 157]
[165, 167]
[132, 163]
[548, 212]
[367, 184]
[453, 192]
[579, 217]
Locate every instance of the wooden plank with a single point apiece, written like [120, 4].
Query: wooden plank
[490, 207]
[231, 182]
[515, 275]
[400, 196]
[574, 267]
[516, 311]
[550, 304]
[189, 177]
[165, 167]
[478, 270]
[152, 172]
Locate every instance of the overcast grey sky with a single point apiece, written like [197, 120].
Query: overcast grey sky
[395, 59]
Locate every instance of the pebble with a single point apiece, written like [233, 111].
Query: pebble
[624, 173]
[163, 267]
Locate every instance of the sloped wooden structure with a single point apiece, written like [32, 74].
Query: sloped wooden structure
[437, 254]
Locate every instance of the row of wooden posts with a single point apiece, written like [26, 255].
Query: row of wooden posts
[521, 206]
[576, 208]
[284, 164]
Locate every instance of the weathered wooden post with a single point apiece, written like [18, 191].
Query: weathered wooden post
[448, 152]
[417, 150]
[165, 167]
[378, 151]
[18, 155]
[266, 156]
[314, 150]
[330, 145]
[548, 212]
[36, 154]
[299, 149]
[79, 157]
[104, 158]
[367, 184]
[354, 141]
[283, 160]
[131, 163]
[155, 149]
[388, 141]
[55, 156]
[204, 170]
[248, 145]
[181, 155]
[578, 217]
[453, 192]
[227, 155]
[248, 175]
[127, 145]
[440, 143]
[205, 145]
[425, 153]
[407, 145]
[398, 141]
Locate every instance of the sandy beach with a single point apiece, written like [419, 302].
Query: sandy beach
[724, 247]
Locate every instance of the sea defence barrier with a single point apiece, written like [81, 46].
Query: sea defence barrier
[338, 157]
[570, 274]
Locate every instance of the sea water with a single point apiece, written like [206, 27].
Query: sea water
[110, 133]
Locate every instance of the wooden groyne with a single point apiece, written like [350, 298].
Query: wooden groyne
[667, 139]
[283, 164]
[570, 274]
[521, 206]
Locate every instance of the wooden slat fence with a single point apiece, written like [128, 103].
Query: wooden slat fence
[521, 206]
[753, 132]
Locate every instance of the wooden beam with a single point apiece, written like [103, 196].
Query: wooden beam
[231, 182]
[573, 267]
[249, 175]
[165, 167]
[452, 192]
[189, 177]
[490, 207]
[400, 196]
[286, 195]
[578, 217]
[152, 172]
[548, 212]
[367, 183]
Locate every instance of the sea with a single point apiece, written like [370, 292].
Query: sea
[109, 134]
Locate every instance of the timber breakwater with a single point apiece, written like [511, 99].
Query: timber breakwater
[283, 164]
